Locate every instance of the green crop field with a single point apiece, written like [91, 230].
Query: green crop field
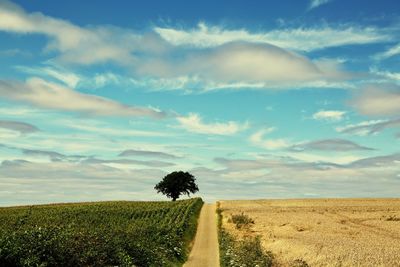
[98, 234]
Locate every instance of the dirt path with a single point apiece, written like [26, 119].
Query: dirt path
[205, 251]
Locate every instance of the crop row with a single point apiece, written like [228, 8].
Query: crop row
[98, 234]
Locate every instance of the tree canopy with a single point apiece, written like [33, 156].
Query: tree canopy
[177, 183]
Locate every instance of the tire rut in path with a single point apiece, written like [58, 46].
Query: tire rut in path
[205, 251]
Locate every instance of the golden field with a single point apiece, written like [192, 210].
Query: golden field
[323, 232]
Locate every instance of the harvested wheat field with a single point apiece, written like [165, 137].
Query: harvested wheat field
[322, 232]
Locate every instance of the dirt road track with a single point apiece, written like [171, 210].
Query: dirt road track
[205, 251]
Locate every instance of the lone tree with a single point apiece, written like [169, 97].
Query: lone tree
[177, 183]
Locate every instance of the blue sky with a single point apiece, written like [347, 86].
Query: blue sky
[273, 99]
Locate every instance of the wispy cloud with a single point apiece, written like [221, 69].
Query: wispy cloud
[148, 163]
[71, 181]
[221, 58]
[40, 153]
[378, 161]
[329, 115]
[393, 77]
[317, 3]
[69, 78]
[297, 39]
[194, 123]
[14, 52]
[282, 176]
[75, 44]
[21, 127]
[19, 111]
[170, 58]
[55, 156]
[41, 93]
[107, 130]
[369, 127]
[340, 145]
[52, 155]
[146, 153]
[393, 51]
[73, 79]
[258, 139]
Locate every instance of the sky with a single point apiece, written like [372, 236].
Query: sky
[99, 100]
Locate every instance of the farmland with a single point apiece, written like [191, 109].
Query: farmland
[321, 232]
[98, 233]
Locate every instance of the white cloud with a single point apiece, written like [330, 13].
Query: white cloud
[103, 79]
[393, 51]
[329, 115]
[298, 39]
[275, 144]
[41, 93]
[317, 3]
[259, 134]
[75, 44]
[377, 100]
[7, 134]
[257, 139]
[194, 123]
[236, 59]
[246, 63]
[334, 158]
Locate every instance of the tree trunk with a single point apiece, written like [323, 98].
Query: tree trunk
[174, 199]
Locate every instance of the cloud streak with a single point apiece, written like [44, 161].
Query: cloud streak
[148, 163]
[329, 115]
[68, 78]
[146, 153]
[296, 39]
[194, 123]
[257, 139]
[279, 177]
[41, 93]
[82, 159]
[220, 58]
[393, 51]
[21, 127]
[317, 3]
[369, 127]
[72, 181]
[75, 44]
[339, 145]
